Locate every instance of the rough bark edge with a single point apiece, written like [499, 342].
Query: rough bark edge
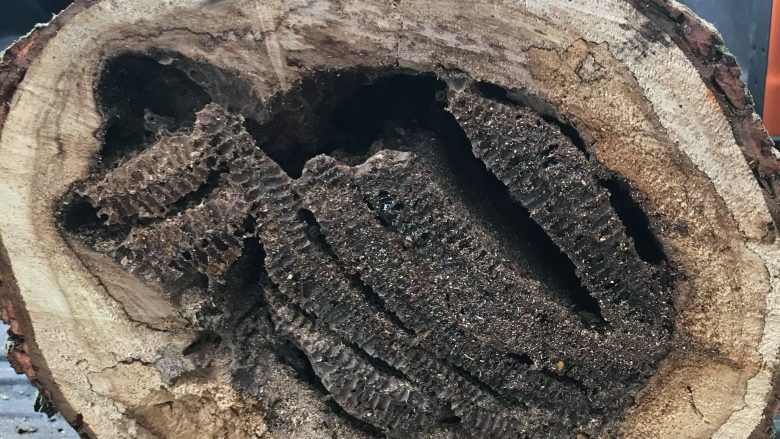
[705, 48]
[23, 353]
[25, 357]
[701, 44]
[718, 69]
[765, 427]
[17, 59]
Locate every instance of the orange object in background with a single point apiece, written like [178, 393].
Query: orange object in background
[772, 91]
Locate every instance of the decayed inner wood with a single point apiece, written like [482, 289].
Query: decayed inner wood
[434, 255]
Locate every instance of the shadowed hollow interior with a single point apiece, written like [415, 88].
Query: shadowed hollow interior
[435, 255]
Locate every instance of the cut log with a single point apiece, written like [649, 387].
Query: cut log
[404, 218]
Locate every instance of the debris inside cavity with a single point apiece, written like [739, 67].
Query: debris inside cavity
[433, 257]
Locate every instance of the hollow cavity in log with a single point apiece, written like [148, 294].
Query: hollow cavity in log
[431, 253]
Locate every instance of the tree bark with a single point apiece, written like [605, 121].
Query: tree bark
[404, 218]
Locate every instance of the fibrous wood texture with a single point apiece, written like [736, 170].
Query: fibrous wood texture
[405, 219]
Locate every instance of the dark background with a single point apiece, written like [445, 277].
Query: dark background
[17, 17]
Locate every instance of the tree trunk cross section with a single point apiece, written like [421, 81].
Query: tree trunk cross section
[397, 219]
